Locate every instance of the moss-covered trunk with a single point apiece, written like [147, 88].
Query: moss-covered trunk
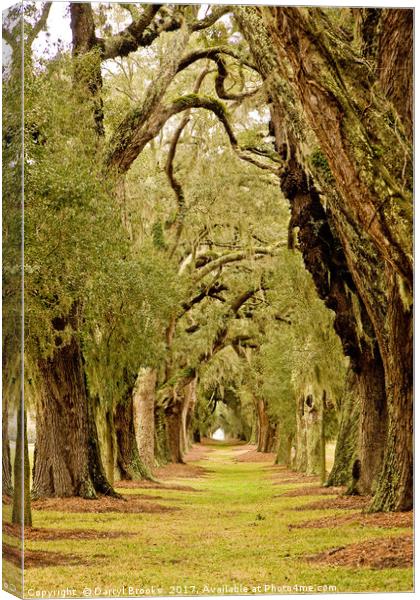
[129, 462]
[7, 486]
[395, 487]
[348, 434]
[21, 513]
[173, 417]
[144, 415]
[61, 465]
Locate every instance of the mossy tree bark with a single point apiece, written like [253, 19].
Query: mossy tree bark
[7, 486]
[21, 513]
[129, 462]
[61, 465]
[144, 415]
[348, 434]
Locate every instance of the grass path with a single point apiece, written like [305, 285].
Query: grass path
[232, 529]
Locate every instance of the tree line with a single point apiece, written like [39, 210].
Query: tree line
[218, 229]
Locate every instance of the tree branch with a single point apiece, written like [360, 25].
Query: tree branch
[136, 131]
[235, 257]
[129, 40]
[40, 24]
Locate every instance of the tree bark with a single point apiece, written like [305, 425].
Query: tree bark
[7, 486]
[284, 452]
[162, 453]
[173, 415]
[348, 434]
[21, 513]
[100, 479]
[395, 487]
[62, 432]
[144, 415]
[190, 399]
[129, 463]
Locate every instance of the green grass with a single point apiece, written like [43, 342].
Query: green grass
[232, 531]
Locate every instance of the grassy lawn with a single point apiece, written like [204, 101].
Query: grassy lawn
[232, 529]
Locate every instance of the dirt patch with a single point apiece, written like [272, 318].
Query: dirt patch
[151, 485]
[42, 534]
[199, 452]
[385, 520]
[104, 504]
[382, 553]
[175, 470]
[285, 476]
[253, 456]
[346, 502]
[312, 490]
[39, 558]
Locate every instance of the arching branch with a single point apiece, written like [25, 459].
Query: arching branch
[136, 131]
[175, 184]
[216, 55]
[235, 257]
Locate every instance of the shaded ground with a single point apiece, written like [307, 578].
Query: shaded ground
[385, 520]
[377, 554]
[256, 457]
[312, 490]
[104, 504]
[150, 485]
[342, 502]
[38, 558]
[35, 533]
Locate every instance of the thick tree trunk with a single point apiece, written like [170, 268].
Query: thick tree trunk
[190, 399]
[7, 486]
[21, 513]
[173, 415]
[348, 434]
[266, 438]
[129, 463]
[300, 462]
[395, 488]
[162, 452]
[284, 452]
[99, 477]
[62, 432]
[144, 415]
[372, 421]
[315, 448]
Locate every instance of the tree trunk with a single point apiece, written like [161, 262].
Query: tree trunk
[97, 472]
[7, 486]
[313, 410]
[265, 429]
[162, 452]
[300, 462]
[190, 399]
[372, 421]
[22, 514]
[348, 434]
[395, 488]
[62, 431]
[144, 415]
[173, 415]
[129, 463]
[284, 452]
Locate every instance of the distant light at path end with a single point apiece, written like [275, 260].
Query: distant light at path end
[219, 434]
